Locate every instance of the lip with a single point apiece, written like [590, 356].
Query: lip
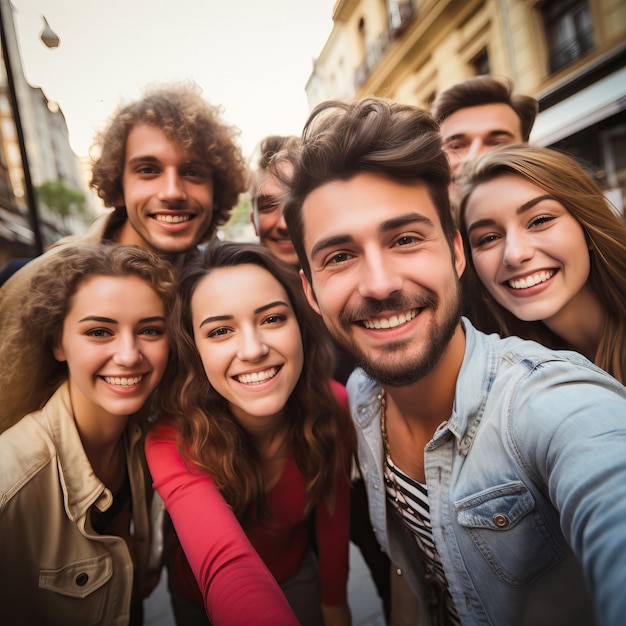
[530, 283]
[400, 323]
[259, 378]
[125, 383]
[284, 243]
[180, 220]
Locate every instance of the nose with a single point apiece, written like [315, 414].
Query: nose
[173, 188]
[127, 352]
[517, 250]
[379, 278]
[474, 149]
[281, 224]
[251, 346]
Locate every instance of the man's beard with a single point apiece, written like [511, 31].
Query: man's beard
[403, 370]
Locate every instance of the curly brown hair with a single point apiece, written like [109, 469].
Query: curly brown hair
[186, 118]
[321, 433]
[46, 303]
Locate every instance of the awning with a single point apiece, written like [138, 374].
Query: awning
[586, 108]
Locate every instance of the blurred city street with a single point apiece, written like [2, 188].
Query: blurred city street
[365, 605]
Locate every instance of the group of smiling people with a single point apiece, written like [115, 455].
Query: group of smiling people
[220, 372]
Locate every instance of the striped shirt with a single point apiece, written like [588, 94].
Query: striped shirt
[410, 499]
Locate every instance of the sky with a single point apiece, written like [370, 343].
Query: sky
[252, 57]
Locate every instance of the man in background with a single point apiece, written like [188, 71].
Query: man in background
[478, 115]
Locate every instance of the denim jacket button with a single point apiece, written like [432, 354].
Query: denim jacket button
[500, 520]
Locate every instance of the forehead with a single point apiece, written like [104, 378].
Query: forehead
[146, 140]
[269, 185]
[126, 293]
[482, 119]
[238, 288]
[361, 206]
[501, 195]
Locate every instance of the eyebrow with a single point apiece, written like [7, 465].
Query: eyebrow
[147, 158]
[491, 133]
[521, 209]
[108, 320]
[384, 227]
[222, 318]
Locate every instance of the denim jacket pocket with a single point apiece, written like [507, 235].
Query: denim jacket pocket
[510, 532]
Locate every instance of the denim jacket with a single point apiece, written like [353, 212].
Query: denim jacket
[527, 487]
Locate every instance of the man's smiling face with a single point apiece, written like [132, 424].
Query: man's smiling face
[383, 276]
[168, 193]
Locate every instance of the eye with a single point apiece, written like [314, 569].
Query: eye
[407, 240]
[337, 258]
[98, 332]
[146, 170]
[275, 318]
[484, 240]
[541, 220]
[221, 331]
[152, 332]
[268, 207]
[454, 146]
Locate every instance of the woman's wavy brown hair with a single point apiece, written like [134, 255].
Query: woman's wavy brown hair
[47, 302]
[192, 122]
[212, 440]
[564, 179]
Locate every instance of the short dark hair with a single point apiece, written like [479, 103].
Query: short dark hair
[267, 150]
[484, 89]
[342, 139]
[191, 121]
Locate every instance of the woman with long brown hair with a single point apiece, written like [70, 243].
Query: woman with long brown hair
[546, 254]
[262, 430]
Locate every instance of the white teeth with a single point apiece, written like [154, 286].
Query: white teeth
[123, 381]
[390, 322]
[257, 377]
[529, 281]
[173, 219]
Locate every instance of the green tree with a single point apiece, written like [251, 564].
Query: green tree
[64, 200]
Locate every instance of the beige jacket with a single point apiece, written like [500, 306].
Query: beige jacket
[55, 568]
[12, 401]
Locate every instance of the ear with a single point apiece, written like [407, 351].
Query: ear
[459, 254]
[254, 218]
[309, 293]
[59, 352]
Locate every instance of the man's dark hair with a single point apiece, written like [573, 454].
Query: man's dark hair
[187, 119]
[343, 139]
[480, 90]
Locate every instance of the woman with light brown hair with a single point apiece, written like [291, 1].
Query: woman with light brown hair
[546, 254]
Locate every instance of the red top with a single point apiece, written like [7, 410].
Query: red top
[213, 539]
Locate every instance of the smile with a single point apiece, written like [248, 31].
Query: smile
[256, 378]
[122, 381]
[172, 219]
[530, 281]
[390, 322]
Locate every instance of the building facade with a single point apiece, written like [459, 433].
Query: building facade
[569, 54]
[50, 158]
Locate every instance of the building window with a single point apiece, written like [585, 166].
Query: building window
[480, 63]
[399, 14]
[569, 31]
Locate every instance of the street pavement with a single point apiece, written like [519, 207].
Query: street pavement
[365, 605]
